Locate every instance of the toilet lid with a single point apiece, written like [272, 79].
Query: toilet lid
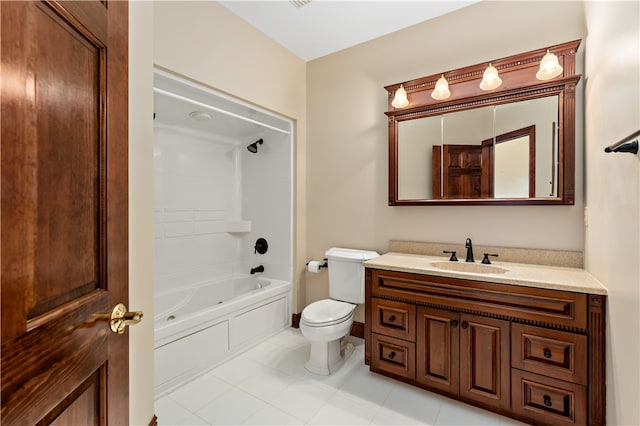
[327, 312]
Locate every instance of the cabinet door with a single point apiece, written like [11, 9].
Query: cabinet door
[437, 349]
[484, 360]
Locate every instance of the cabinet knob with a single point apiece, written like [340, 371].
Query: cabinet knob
[392, 355]
[547, 400]
[392, 318]
[547, 353]
[464, 324]
[454, 323]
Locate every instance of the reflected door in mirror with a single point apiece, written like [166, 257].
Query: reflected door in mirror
[458, 171]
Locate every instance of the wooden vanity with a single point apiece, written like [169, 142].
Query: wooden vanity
[529, 348]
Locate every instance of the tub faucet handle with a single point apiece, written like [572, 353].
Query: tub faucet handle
[261, 246]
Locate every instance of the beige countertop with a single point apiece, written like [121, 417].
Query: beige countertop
[539, 276]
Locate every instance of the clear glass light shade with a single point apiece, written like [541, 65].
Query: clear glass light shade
[400, 99]
[490, 79]
[441, 91]
[549, 67]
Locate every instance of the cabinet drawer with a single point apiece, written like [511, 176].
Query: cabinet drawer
[396, 319]
[547, 400]
[558, 354]
[393, 356]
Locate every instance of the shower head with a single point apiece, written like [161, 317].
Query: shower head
[253, 148]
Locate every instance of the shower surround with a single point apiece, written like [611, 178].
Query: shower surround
[214, 199]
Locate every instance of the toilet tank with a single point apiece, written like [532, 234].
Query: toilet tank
[346, 273]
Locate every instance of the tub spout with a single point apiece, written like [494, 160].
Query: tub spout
[259, 268]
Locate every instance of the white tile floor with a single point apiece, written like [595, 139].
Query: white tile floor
[268, 385]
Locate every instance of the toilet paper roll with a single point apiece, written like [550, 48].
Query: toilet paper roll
[314, 266]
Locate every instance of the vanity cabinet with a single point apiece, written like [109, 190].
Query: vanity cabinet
[533, 354]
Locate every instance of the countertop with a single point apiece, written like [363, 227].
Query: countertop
[538, 276]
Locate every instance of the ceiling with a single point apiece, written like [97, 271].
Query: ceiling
[321, 27]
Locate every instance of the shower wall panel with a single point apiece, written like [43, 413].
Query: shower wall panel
[196, 194]
[267, 195]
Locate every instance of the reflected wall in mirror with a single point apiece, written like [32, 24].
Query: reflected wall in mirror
[512, 145]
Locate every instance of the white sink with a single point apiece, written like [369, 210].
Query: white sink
[473, 268]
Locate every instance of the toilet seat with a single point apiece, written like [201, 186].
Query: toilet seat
[327, 312]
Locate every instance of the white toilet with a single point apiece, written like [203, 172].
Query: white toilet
[325, 322]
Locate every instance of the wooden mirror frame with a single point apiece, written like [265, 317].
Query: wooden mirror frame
[519, 82]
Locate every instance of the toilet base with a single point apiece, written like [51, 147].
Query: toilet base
[327, 357]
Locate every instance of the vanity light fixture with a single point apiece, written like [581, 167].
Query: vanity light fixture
[549, 67]
[400, 99]
[490, 79]
[441, 91]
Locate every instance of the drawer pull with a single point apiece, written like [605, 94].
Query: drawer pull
[547, 353]
[547, 400]
[392, 318]
[464, 325]
[392, 355]
[454, 323]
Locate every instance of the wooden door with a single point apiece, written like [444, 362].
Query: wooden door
[457, 171]
[462, 171]
[64, 211]
[437, 349]
[485, 360]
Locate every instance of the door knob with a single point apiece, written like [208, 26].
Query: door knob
[118, 319]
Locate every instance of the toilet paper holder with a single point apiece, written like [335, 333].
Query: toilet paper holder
[324, 263]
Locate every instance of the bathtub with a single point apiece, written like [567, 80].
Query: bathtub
[201, 326]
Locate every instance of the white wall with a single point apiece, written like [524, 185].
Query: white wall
[141, 210]
[612, 244]
[347, 139]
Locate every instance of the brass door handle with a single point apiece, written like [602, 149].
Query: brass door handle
[121, 318]
[118, 319]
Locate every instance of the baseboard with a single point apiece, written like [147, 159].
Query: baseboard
[356, 331]
[295, 320]
[154, 421]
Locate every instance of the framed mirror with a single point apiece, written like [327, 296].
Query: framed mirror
[514, 144]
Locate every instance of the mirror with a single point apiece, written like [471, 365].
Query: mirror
[511, 145]
[503, 151]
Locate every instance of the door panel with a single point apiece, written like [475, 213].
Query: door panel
[69, 160]
[437, 349]
[462, 171]
[64, 211]
[484, 360]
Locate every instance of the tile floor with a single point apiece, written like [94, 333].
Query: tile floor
[268, 385]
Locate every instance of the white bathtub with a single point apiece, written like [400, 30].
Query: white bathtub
[199, 327]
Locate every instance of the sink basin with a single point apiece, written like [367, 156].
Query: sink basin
[473, 268]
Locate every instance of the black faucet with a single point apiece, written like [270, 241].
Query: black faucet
[469, 248]
[259, 268]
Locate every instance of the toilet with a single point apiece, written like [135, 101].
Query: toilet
[326, 322]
